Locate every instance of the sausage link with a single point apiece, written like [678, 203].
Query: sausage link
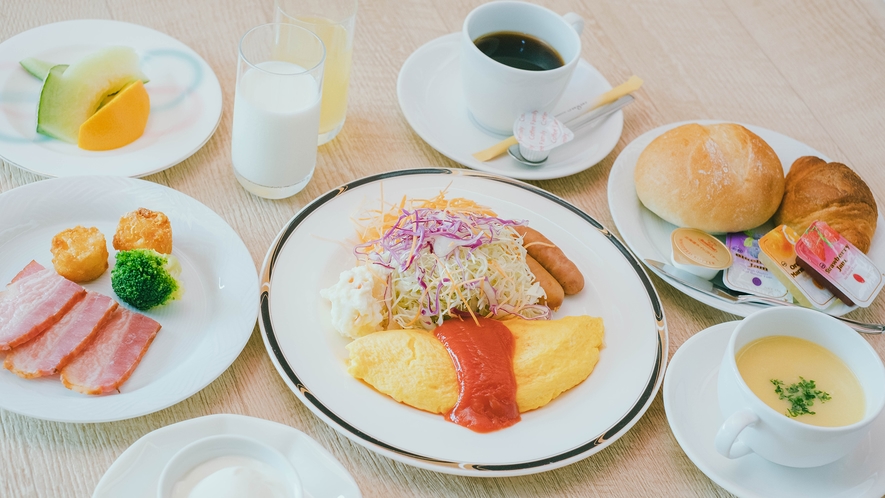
[551, 287]
[552, 259]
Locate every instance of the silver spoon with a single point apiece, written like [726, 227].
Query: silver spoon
[576, 123]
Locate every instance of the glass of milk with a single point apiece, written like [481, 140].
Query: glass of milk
[277, 109]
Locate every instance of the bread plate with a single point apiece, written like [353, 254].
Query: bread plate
[203, 332]
[185, 100]
[648, 236]
[313, 249]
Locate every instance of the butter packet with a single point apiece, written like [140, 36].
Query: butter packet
[748, 274]
[839, 266]
[778, 253]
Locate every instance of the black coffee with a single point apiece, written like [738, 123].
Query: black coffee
[519, 50]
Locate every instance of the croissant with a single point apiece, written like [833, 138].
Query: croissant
[817, 190]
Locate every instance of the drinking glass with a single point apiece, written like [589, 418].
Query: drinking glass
[333, 21]
[277, 109]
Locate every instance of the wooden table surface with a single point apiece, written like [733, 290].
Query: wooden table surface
[812, 70]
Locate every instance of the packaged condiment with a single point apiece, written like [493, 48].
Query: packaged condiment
[747, 273]
[538, 133]
[839, 266]
[698, 252]
[778, 253]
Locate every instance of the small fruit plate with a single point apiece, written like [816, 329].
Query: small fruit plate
[185, 100]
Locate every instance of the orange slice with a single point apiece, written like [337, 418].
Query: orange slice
[119, 122]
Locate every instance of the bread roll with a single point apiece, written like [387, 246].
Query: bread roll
[717, 178]
[832, 192]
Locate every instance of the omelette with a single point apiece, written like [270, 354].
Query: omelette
[413, 367]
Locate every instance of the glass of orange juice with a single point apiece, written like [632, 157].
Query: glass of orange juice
[333, 22]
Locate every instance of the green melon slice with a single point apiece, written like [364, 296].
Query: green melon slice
[71, 94]
[37, 67]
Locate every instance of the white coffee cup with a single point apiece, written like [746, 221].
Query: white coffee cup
[752, 426]
[496, 94]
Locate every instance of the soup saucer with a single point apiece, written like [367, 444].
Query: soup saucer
[430, 96]
[692, 406]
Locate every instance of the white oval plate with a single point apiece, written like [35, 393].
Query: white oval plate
[430, 96]
[185, 100]
[312, 250]
[202, 334]
[648, 236]
[136, 472]
[692, 405]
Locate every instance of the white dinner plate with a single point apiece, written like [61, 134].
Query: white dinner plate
[692, 406]
[136, 472]
[314, 248]
[648, 236]
[185, 100]
[202, 333]
[431, 98]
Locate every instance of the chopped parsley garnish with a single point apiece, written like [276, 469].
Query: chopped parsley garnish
[801, 395]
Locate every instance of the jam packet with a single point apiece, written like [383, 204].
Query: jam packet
[778, 253]
[748, 274]
[839, 266]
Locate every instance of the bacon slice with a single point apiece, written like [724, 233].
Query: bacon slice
[56, 347]
[112, 357]
[36, 299]
[32, 267]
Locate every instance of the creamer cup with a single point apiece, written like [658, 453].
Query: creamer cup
[538, 133]
[751, 426]
[698, 252]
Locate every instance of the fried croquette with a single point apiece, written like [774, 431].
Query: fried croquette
[80, 254]
[144, 229]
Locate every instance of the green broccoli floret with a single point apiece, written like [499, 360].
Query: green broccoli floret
[145, 278]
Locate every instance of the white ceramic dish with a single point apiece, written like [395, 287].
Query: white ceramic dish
[136, 472]
[690, 400]
[202, 333]
[312, 250]
[648, 236]
[431, 98]
[186, 468]
[185, 100]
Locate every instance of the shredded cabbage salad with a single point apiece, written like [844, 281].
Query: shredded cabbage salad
[449, 257]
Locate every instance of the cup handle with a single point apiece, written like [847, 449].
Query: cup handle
[576, 21]
[726, 439]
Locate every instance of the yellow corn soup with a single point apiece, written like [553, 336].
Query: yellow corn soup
[787, 359]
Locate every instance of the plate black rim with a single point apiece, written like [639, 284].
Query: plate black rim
[615, 431]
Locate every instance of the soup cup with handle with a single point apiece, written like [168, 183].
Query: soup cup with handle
[495, 93]
[751, 426]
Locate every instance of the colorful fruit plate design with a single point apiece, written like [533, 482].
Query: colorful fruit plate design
[185, 100]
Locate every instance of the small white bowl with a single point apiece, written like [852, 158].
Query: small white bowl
[206, 449]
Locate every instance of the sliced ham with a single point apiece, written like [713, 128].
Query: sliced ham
[36, 299]
[55, 348]
[112, 356]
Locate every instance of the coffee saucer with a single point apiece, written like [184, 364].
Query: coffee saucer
[692, 406]
[430, 96]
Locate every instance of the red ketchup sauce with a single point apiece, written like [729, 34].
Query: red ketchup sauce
[483, 357]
